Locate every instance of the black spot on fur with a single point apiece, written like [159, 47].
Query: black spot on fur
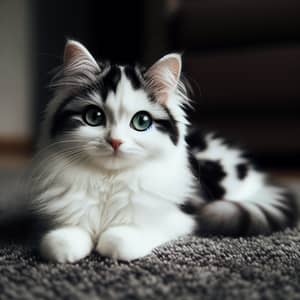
[211, 174]
[252, 160]
[103, 65]
[196, 140]
[109, 81]
[133, 76]
[242, 170]
[63, 122]
[194, 165]
[62, 119]
[168, 126]
[188, 208]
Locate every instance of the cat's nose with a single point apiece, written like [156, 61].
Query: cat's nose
[115, 143]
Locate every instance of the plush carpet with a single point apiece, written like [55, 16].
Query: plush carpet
[189, 268]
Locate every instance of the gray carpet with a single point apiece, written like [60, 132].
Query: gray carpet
[189, 268]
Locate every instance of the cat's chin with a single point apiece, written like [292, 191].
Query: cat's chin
[117, 162]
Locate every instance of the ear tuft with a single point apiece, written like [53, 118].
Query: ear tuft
[164, 75]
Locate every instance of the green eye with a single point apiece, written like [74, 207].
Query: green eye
[141, 121]
[94, 116]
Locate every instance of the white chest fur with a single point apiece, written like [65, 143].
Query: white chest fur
[93, 204]
[147, 196]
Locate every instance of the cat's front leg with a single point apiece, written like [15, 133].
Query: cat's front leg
[126, 242]
[66, 244]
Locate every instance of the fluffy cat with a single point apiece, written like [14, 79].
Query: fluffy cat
[119, 171]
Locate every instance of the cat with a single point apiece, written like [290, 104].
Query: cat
[121, 171]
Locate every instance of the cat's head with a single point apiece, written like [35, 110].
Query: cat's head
[115, 116]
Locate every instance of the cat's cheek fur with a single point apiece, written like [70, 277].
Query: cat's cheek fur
[67, 244]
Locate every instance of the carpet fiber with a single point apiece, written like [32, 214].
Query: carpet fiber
[189, 268]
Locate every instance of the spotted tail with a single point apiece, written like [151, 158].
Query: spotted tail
[238, 199]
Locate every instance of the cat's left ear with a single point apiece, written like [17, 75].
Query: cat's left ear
[163, 77]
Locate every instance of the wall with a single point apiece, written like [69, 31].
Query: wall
[15, 69]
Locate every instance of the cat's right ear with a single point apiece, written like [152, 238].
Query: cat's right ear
[79, 65]
[76, 53]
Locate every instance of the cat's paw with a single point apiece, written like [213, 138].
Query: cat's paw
[123, 243]
[68, 244]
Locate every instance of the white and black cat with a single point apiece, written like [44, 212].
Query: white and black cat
[118, 170]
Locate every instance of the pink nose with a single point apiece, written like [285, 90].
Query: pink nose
[115, 143]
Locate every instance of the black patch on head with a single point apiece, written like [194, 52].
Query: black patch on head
[103, 65]
[133, 76]
[63, 122]
[196, 140]
[211, 174]
[242, 170]
[62, 119]
[109, 81]
[168, 126]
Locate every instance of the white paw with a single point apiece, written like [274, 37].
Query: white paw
[68, 244]
[123, 243]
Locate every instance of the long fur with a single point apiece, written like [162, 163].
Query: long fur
[162, 183]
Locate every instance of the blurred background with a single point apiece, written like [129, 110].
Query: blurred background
[242, 59]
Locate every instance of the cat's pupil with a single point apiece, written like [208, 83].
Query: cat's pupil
[94, 116]
[141, 121]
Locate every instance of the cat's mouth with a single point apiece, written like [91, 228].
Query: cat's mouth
[117, 153]
[106, 152]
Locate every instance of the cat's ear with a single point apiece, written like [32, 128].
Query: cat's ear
[163, 77]
[79, 67]
[76, 53]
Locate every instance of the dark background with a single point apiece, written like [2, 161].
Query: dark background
[242, 59]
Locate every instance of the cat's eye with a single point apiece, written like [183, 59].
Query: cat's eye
[94, 116]
[141, 121]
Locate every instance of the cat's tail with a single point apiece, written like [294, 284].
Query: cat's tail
[268, 209]
[238, 199]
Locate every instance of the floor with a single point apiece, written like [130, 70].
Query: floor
[189, 268]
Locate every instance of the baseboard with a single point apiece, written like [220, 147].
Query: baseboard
[16, 146]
